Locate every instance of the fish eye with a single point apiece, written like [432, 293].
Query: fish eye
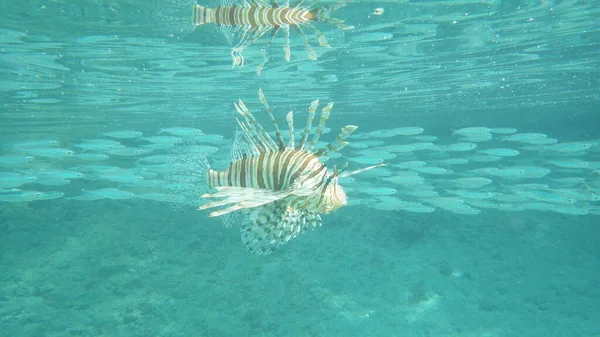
[70, 153]
[198, 131]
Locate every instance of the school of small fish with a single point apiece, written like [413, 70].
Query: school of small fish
[467, 171]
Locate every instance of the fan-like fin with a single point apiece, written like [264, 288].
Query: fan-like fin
[263, 100]
[324, 117]
[311, 116]
[274, 225]
[312, 55]
[254, 126]
[242, 145]
[261, 132]
[286, 44]
[265, 49]
[252, 142]
[250, 132]
[290, 121]
[320, 36]
[241, 198]
[339, 141]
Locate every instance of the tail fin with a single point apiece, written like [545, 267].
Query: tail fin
[187, 159]
[176, 17]
[187, 174]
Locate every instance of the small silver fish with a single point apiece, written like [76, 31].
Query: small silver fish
[123, 134]
[92, 156]
[49, 152]
[110, 193]
[501, 152]
[460, 147]
[15, 160]
[129, 151]
[181, 131]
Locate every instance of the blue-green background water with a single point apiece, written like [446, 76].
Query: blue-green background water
[70, 70]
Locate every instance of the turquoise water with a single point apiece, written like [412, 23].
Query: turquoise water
[104, 264]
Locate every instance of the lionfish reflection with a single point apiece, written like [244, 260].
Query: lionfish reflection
[246, 22]
[283, 187]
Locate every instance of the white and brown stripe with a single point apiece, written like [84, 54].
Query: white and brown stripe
[271, 170]
[293, 171]
[253, 20]
[284, 189]
[256, 15]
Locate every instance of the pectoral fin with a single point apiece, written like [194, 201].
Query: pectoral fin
[275, 224]
[241, 198]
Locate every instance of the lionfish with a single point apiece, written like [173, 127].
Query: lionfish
[284, 188]
[246, 22]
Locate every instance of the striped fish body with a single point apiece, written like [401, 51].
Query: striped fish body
[257, 15]
[287, 169]
[271, 170]
[247, 22]
[282, 187]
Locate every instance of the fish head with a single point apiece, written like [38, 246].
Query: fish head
[334, 196]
